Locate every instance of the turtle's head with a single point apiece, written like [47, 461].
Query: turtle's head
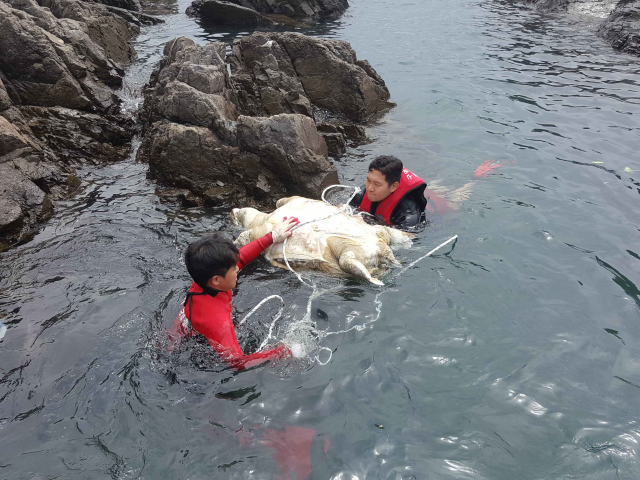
[243, 217]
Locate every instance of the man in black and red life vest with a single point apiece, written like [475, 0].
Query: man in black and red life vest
[392, 193]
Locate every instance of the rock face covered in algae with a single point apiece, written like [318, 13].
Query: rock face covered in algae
[621, 24]
[262, 131]
[60, 62]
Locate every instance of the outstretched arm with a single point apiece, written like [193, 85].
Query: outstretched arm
[250, 251]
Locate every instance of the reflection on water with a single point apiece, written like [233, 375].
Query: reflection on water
[513, 356]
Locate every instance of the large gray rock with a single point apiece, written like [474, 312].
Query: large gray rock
[297, 8]
[289, 145]
[194, 158]
[195, 139]
[293, 73]
[226, 13]
[622, 28]
[81, 137]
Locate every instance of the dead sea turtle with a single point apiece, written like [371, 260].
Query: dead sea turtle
[328, 239]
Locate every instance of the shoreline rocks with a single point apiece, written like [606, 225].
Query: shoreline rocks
[226, 13]
[621, 24]
[263, 131]
[60, 62]
[234, 12]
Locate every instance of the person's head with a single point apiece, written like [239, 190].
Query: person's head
[383, 178]
[212, 261]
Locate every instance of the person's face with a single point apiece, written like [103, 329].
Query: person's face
[227, 282]
[377, 187]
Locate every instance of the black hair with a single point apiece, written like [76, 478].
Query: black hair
[389, 166]
[210, 256]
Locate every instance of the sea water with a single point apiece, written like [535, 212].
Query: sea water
[512, 354]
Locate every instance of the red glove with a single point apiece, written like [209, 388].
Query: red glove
[283, 229]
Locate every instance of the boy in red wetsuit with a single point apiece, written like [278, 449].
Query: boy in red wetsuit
[213, 262]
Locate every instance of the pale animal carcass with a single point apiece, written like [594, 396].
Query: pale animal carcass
[328, 239]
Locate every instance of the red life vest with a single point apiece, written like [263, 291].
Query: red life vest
[409, 183]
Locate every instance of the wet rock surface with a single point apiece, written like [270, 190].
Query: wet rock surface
[126, 4]
[226, 13]
[266, 130]
[622, 28]
[621, 25]
[60, 61]
[314, 9]
[293, 73]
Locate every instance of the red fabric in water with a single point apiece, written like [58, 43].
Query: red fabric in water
[211, 317]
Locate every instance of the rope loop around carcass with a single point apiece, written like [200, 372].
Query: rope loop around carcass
[345, 208]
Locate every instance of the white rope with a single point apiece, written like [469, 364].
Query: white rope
[427, 255]
[260, 304]
[264, 342]
[344, 208]
[317, 357]
[275, 319]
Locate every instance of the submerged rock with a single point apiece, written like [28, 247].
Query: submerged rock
[598, 8]
[59, 63]
[622, 28]
[253, 135]
[209, 9]
[226, 13]
[621, 25]
[133, 5]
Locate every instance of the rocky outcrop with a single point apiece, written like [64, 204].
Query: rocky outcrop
[226, 13]
[293, 73]
[315, 9]
[60, 61]
[622, 28]
[133, 5]
[621, 25]
[197, 140]
[265, 130]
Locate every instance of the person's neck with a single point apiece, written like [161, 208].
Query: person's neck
[209, 290]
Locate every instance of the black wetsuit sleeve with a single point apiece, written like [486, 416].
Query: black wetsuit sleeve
[357, 200]
[407, 214]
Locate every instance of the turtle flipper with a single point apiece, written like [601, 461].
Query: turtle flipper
[350, 264]
[348, 254]
[243, 239]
